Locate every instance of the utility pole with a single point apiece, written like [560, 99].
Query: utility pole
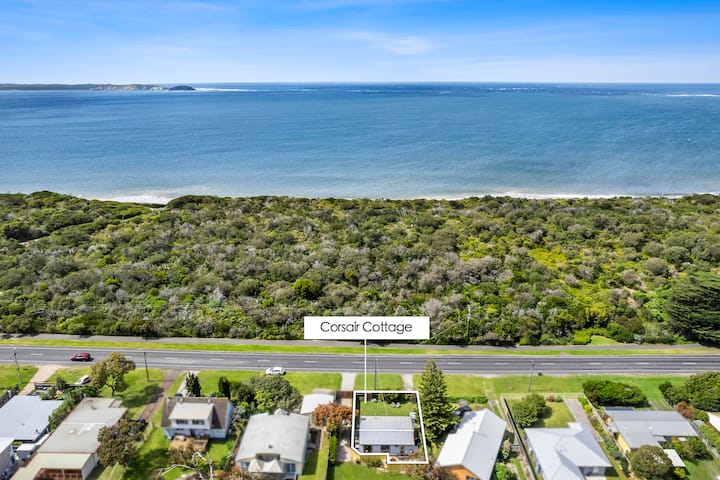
[17, 367]
[532, 367]
[147, 374]
[467, 327]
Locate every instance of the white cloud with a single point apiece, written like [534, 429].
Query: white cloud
[397, 44]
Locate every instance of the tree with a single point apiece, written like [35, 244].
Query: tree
[111, 372]
[502, 472]
[273, 391]
[224, 386]
[192, 385]
[651, 463]
[693, 307]
[437, 411]
[703, 390]
[332, 416]
[118, 443]
[529, 410]
[607, 392]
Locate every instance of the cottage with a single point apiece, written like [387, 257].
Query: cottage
[635, 428]
[386, 434]
[274, 445]
[470, 452]
[566, 453]
[208, 417]
[25, 418]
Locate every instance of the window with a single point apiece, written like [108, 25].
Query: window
[289, 468]
[198, 422]
[181, 422]
[244, 465]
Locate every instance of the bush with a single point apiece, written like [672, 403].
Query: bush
[609, 393]
[673, 394]
[711, 434]
[703, 390]
[529, 410]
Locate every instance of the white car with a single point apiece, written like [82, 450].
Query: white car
[275, 371]
[85, 379]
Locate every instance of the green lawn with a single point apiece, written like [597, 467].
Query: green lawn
[384, 409]
[353, 471]
[559, 416]
[573, 384]
[703, 469]
[385, 381]
[305, 382]
[9, 377]
[467, 387]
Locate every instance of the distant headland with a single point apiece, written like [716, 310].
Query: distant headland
[89, 86]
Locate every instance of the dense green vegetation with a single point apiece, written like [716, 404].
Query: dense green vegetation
[530, 271]
[611, 394]
[694, 306]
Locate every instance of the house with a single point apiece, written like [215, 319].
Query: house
[7, 457]
[208, 417]
[386, 434]
[70, 452]
[312, 401]
[566, 453]
[25, 418]
[274, 445]
[635, 428]
[470, 452]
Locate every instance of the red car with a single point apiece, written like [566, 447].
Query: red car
[81, 357]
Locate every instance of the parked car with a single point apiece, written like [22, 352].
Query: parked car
[81, 357]
[84, 380]
[275, 371]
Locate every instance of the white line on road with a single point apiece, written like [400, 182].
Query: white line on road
[310, 361]
[263, 360]
[217, 359]
[689, 363]
[171, 358]
[595, 363]
[502, 363]
[358, 362]
[37, 354]
[642, 363]
[547, 363]
[405, 363]
[454, 363]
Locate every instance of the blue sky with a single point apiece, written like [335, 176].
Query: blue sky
[172, 41]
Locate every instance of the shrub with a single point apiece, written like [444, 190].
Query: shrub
[529, 410]
[712, 435]
[607, 392]
[332, 450]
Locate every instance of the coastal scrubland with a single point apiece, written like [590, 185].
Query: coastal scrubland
[488, 270]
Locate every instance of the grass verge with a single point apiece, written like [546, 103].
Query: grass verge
[353, 471]
[385, 381]
[9, 377]
[305, 382]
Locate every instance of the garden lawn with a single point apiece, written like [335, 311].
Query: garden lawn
[384, 409]
[703, 469]
[353, 471]
[467, 387]
[316, 466]
[9, 376]
[559, 416]
[385, 381]
[305, 382]
[518, 384]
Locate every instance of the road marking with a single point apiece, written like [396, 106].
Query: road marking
[217, 359]
[37, 354]
[595, 363]
[689, 363]
[263, 360]
[502, 363]
[171, 358]
[454, 363]
[547, 363]
[405, 363]
[642, 363]
[358, 362]
[310, 361]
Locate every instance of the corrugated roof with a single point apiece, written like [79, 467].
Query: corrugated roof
[191, 411]
[562, 451]
[641, 427]
[312, 401]
[282, 434]
[24, 418]
[475, 443]
[391, 430]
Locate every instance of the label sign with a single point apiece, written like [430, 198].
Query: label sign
[367, 328]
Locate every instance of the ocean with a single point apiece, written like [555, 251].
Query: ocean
[356, 141]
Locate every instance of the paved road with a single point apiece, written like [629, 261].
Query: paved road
[387, 363]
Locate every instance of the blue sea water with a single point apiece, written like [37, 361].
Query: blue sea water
[379, 141]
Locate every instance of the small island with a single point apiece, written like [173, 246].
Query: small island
[182, 88]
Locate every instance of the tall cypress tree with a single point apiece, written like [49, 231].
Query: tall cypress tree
[693, 308]
[437, 411]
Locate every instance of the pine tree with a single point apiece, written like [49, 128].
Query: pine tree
[437, 411]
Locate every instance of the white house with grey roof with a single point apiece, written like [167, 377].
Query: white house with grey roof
[207, 417]
[566, 453]
[470, 452]
[71, 450]
[274, 445]
[386, 434]
[635, 428]
[24, 418]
